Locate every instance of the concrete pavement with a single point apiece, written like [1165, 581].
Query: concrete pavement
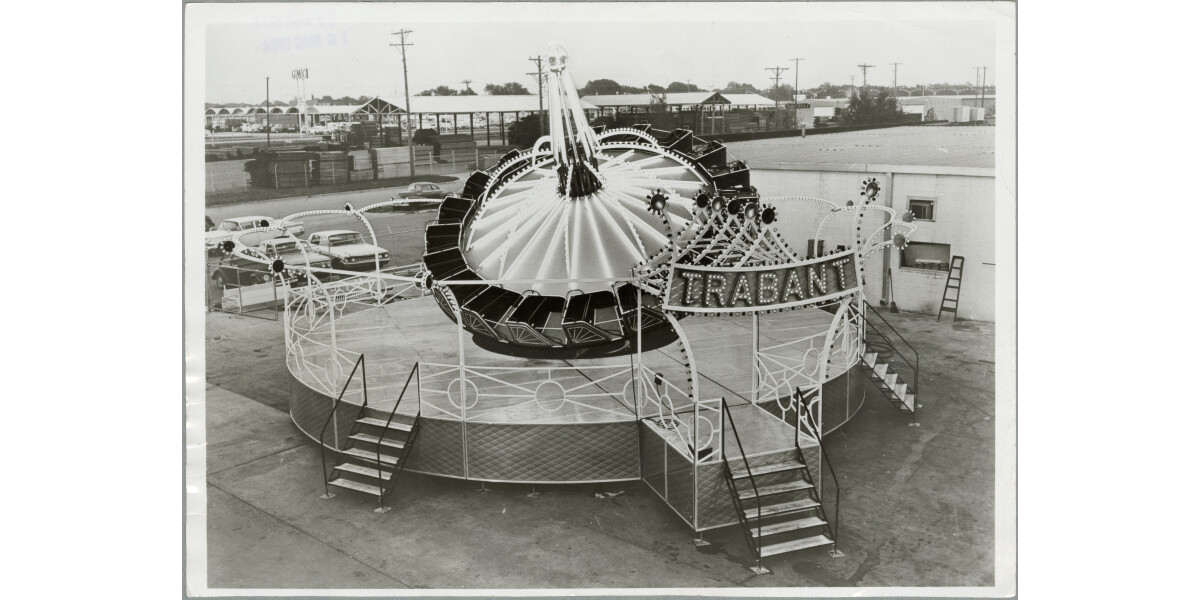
[917, 504]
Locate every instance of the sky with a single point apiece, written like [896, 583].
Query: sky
[346, 47]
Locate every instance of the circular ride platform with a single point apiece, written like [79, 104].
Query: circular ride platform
[556, 419]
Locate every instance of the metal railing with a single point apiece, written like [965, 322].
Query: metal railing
[603, 390]
[240, 290]
[837, 494]
[409, 439]
[360, 366]
[914, 365]
[755, 545]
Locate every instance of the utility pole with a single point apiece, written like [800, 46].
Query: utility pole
[796, 77]
[467, 84]
[541, 79]
[980, 88]
[895, 92]
[983, 89]
[864, 68]
[777, 71]
[403, 45]
[268, 112]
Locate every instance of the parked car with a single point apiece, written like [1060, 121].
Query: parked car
[348, 250]
[292, 253]
[235, 271]
[226, 229]
[419, 195]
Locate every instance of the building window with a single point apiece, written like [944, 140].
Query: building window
[923, 255]
[921, 208]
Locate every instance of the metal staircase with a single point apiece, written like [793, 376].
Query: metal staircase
[890, 362]
[778, 504]
[374, 452]
[953, 282]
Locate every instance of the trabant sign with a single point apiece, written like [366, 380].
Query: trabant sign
[700, 289]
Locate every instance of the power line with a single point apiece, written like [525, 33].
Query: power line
[403, 45]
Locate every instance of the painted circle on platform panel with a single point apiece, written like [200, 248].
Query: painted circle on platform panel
[625, 391]
[469, 397]
[548, 393]
[812, 356]
[783, 397]
[703, 439]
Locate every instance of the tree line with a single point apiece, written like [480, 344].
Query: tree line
[602, 87]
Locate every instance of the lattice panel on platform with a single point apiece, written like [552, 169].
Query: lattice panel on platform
[653, 458]
[552, 453]
[680, 488]
[438, 449]
[310, 409]
[715, 507]
[835, 403]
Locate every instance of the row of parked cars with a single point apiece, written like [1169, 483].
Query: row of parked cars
[338, 249]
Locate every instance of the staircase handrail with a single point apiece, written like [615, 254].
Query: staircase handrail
[749, 472]
[837, 490]
[893, 329]
[392, 415]
[361, 362]
[914, 364]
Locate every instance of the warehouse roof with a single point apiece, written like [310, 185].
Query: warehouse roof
[680, 99]
[476, 104]
[341, 109]
[748, 100]
[925, 146]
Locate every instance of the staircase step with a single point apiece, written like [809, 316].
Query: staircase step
[881, 369]
[365, 488]
[890, 380]
[398, 426]
[910, 400]
[900, 388]
[369, 455]
[786, 507]
[786, 526]
[770, 490]
[787, 465]
[869, 358]
[363, 470]
[794, 545]
[374, 439]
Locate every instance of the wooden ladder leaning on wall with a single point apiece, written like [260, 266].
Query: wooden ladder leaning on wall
[953, 282]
